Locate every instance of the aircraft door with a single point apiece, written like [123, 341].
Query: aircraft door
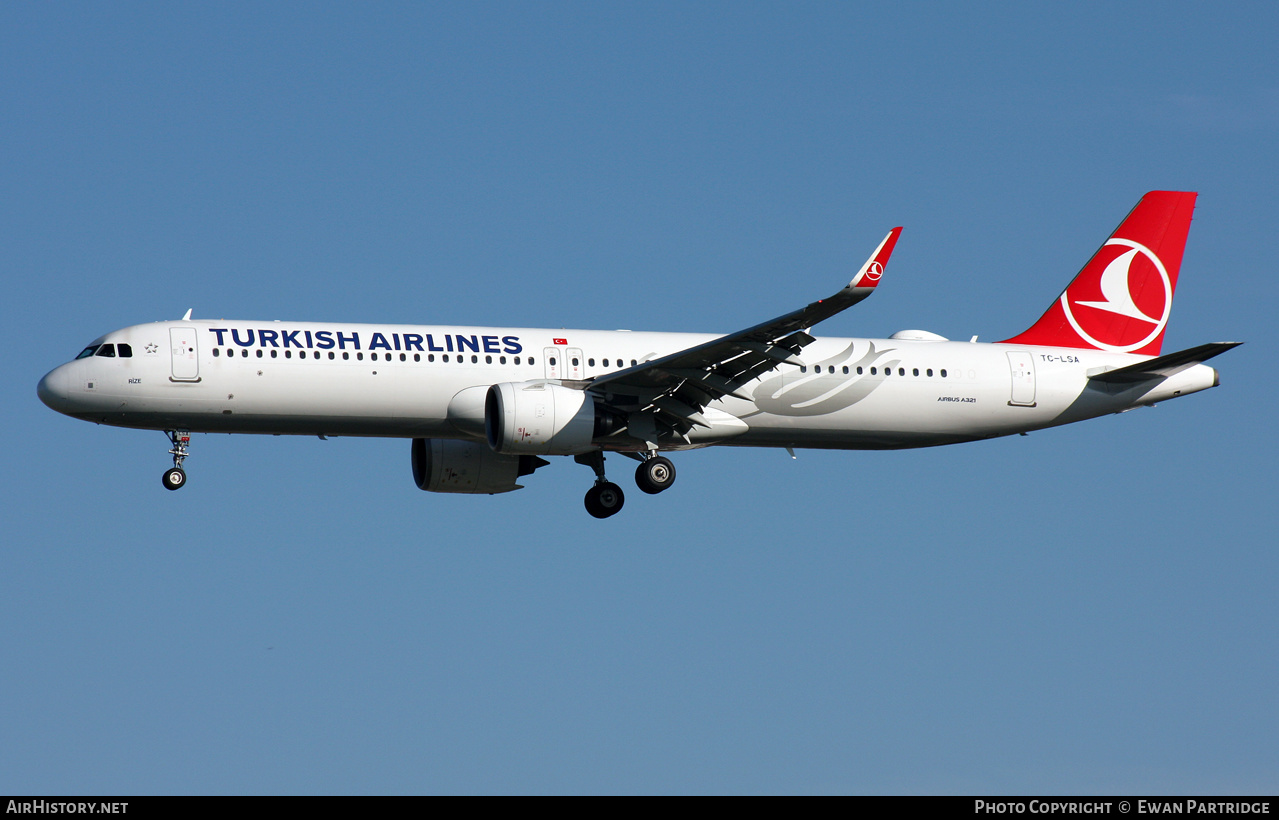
[575, 364]
[1022, 368]
[554, 358]
[185, 354]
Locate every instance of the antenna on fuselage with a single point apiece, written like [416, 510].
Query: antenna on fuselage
[186, 317]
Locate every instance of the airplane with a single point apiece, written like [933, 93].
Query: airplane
[482, 406]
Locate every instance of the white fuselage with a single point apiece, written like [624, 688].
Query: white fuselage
[399, 381]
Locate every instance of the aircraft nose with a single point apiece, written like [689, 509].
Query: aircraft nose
[52, 389]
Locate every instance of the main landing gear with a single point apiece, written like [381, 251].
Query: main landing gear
[654, 474]
[175, 478]
[605, 498]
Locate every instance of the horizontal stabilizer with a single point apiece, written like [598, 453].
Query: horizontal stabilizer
[1164, 366]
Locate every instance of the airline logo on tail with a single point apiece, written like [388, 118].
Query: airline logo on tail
[1135, 275]
[1121, 300]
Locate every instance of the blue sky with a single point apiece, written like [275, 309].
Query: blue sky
[1085, 610]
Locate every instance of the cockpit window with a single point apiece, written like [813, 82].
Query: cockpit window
[125, 351]
[106, 350]
[87, 352]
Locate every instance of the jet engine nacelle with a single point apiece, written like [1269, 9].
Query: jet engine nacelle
[445, 466]
[539, 418]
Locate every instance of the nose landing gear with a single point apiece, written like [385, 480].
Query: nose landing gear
[175, 477]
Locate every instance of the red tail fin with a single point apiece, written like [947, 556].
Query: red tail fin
[1122, 298]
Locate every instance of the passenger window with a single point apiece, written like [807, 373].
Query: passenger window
[359, 357]
[943, 373]
[845, 370]
[273, 353]
[488, 359]
[590, 362]
[605, 363]
[929, 372]
[345, 355]
[916, 371]
[872, 371]
[106, 351]
[901, 371]
[501, 360]
[332, 355]
[216, 353]
[552, 361]
[259, 352]
[417, 357]
[803, 369]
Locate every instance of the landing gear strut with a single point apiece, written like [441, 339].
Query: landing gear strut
[655, 473]
[175, 477]
[605, 498]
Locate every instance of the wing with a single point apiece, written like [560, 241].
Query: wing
[674, 389]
